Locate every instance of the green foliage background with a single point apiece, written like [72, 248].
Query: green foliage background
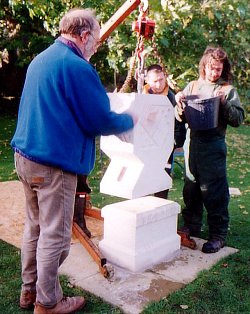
[183, 30]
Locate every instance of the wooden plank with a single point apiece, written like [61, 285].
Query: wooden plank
[91, 248]
[93, 212]
[118, 18]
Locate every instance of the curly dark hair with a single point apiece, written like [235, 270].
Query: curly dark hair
[216, 54]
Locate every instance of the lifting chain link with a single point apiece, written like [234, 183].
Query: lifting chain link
[147, 32]
[172, 84]
[138, 57]
[131, 71]
[127, 82]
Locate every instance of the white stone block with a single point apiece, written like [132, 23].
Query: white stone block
[137, 164]
[140, 233]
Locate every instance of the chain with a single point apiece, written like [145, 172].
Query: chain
[171, 83]
[139, 56]
[131, 71]
[125, 87]
[143, 10]
[126, 83]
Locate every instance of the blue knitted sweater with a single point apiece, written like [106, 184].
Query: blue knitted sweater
[63, 107]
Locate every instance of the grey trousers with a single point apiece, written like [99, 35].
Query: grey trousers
[50, 195]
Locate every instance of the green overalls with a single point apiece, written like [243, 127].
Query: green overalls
[206, 180]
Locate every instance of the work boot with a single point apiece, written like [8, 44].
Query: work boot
[27, 299]
[65, 306]
[82, 202]
[79, 209]
[184, 233]
[83, 184]
[213, 245]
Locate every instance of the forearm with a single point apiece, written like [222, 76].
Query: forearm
[233, 112]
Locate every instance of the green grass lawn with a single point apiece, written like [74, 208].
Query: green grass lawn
[222, 289]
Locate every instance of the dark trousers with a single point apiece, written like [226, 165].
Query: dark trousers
[208, 187]
[164, 193]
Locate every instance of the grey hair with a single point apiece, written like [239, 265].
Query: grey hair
[76, 21]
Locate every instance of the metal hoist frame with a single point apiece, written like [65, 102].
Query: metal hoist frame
[144, 27]
[145, 30]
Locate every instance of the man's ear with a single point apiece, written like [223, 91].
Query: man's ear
[85, 36]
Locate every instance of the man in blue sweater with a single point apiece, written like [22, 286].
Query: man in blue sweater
[63, 108]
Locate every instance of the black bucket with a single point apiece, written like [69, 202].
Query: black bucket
[201, 113]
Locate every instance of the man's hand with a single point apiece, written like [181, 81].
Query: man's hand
[133, 115]
[222, 96]
[180, 97]
[126, 137]
[179, 108]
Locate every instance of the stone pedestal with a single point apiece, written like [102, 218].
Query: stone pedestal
[140, 233]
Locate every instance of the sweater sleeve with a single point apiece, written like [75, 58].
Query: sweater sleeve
[90, 104]
[232, 112]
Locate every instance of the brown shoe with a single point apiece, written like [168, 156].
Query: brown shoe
[184, 233]
[65, 306]
[27, 299]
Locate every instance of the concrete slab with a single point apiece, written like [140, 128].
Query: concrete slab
[133, 291]
[129, 291]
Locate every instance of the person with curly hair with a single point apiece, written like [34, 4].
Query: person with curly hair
[205, 152]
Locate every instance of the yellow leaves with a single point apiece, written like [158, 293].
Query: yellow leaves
[184, 306]
[179, 10]
[245, 212]
[210, 15]
[224, 265]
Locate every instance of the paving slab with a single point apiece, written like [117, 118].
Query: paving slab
[133, 291]
[130, 291]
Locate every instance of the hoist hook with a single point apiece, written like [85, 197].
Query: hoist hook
[140, 72]
[143, 8]
[144, 26]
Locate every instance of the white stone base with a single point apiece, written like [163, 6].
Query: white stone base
[140, 233]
